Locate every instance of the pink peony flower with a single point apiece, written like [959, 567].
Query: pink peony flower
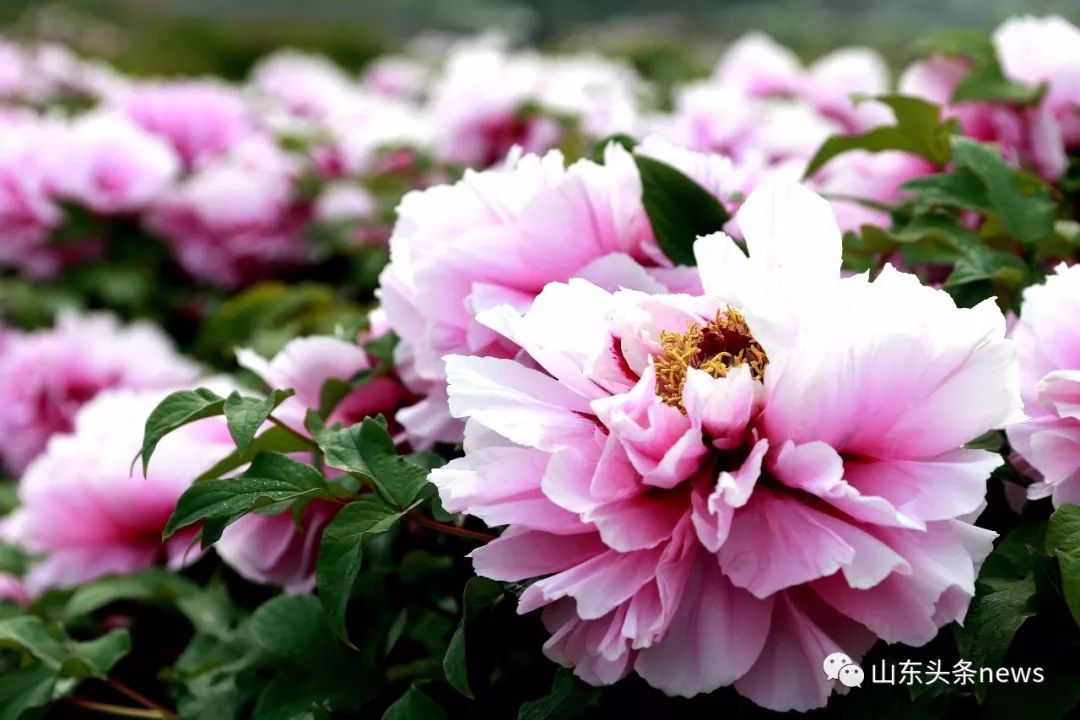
[397, 77]
[481, 98]
[499, 237]
[760, 66]
[46, 376]
[757, 66]
[1049, 345]
[1026, 136]
[306, 364]
[83, 507]
[308, 85]
[110, 165]
[1046, 50]
[725, 488]
[201, 119]
[1032, 51]
[12, 588]
[770, 115]
[271, 549]
[28, 212]
[238, 219]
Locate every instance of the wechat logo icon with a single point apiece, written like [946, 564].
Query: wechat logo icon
[839, 666]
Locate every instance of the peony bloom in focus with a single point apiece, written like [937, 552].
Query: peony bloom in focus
[47, 375]
[1049, 345]
[201, 119]
[271, 548]
[724, 488]
[498, 237]
[112, 166]
[88, 513]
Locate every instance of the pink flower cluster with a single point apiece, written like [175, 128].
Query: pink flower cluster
[770, 115]
[1031, 51]
[272, 549]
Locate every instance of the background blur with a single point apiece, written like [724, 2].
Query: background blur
[226, 36]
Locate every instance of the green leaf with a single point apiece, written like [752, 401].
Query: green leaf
[14, 559]
[989, 84]
[25, 689]
[178, 409]
[596, 152]
[415, 704]
[205, 607]
[1055, 698]
[919, 129]
[341, 551]
[1006, 596]
[293, 628]
[272, 483]
[1027, 215]
[334, 390]
[29, 633]
[273, 439]
[480, 595]
[972, 44]
[569, 698]
[96, 657]
[245, 415]
[381, 349]
[367, 448]
[1063, 542]
[960, 188]
[679, 209]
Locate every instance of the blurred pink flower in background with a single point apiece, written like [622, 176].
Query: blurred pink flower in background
[12, 588]
[1046, 50]
[28, 213]
[1031, 51]
[770, 115]
[272, 549]
[110, 165]
[1025, 136]
[498, 237]
[201, 119]
[83, 507]
[46, 376]
[489, 100]
[308, 85]
[1049, 343]
[726, 488]
[238, 219]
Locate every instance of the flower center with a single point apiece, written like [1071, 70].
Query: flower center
[715, 348]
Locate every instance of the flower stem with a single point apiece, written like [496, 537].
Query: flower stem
[292, 432]
[138, 697]
[121, 711]
[450, 529]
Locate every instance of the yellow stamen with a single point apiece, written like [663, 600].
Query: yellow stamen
[715, 348]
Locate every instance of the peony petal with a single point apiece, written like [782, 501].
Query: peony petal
[715, 636]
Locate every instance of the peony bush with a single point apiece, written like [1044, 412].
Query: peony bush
[486, 383]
